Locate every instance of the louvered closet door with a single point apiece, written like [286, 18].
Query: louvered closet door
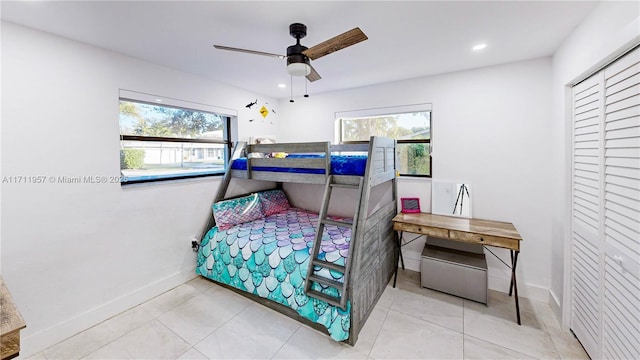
[606, 211]
[621, 300]
[586, 215]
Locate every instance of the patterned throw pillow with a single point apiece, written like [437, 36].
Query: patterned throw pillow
[236, 211]
[273, 201]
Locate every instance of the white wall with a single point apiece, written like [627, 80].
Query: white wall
[610, 29]
[76, 254]
[490, 128]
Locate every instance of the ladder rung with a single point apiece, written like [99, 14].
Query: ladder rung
[336, 223]
[328, 265]
[328, 298]
[346, 186]
[326, 281]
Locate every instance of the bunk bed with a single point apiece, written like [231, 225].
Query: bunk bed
[325, 271]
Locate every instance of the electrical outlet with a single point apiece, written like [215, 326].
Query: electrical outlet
[195, 244]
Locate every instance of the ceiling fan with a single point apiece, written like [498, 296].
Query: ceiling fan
[298, 55]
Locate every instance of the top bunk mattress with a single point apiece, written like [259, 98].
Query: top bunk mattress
[340, 165]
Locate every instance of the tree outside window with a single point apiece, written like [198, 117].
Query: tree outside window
[411, 130]
[161, 142]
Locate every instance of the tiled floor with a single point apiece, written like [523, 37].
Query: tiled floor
[201, 320]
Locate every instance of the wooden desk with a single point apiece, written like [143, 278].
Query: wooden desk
[10, 325]
[485, 232]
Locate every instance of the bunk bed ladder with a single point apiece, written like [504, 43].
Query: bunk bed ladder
[341, 299]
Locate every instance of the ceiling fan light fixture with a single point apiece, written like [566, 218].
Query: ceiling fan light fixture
[298, 69]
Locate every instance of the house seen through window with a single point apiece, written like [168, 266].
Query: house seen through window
[412, 130]
[160, 142]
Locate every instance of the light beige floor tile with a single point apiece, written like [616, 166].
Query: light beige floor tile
[201, 284]
[496, 323]
[173, 298]
[408, 280]
[36, 356]
[125, 322]
[150, 341]
[369, 333]
[201, 318]
[100, 335]
[406, 337]
[201, 315]
[255, 333]
[110, 351]
[566, 344]
[93, 338]
[479, 349]
[503, 306]
[438, 308]
[308, 343]
[386, 300]
[192, 354]
[78, 345]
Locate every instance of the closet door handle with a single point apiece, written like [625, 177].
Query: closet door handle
[618, 259]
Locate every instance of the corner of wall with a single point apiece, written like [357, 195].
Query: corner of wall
[556, 307]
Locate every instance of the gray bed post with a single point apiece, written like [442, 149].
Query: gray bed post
[237, 151]
[224, 185]
[361, 220]
[381, 217]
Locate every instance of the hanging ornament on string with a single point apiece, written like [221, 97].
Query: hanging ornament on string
[264, 112]
[249, 105]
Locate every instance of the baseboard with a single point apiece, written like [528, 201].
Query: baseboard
[554, 303]
[525, 290]
[44, 339]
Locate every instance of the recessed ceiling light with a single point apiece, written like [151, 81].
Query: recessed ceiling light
[158, 100]
[282, 86]
[479, 47]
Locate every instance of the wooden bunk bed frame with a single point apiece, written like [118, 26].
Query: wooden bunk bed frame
[373, 249]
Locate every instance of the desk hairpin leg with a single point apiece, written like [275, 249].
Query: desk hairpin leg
[399, 257]
[514, 286]
[400, 249]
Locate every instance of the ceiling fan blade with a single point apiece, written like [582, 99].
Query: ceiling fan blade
[336, 43]
[313, 75]
[222, 47]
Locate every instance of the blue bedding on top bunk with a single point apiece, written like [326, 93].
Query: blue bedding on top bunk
[340, 165]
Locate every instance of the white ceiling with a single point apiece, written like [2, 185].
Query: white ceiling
[406, 39]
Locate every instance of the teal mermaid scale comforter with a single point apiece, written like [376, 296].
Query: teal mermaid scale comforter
[269, 257]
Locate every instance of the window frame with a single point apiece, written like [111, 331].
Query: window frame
[395, 110]
[225, 114]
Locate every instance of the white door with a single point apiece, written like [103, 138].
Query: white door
[605, 312]
[586, 224]
[621, 297]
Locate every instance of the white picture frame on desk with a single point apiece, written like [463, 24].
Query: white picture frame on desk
[453, 198]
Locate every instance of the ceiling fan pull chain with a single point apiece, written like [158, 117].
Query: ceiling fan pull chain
[306, 93]
[291, 99]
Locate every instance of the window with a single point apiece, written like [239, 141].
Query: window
[169, 139]
[410, 126]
